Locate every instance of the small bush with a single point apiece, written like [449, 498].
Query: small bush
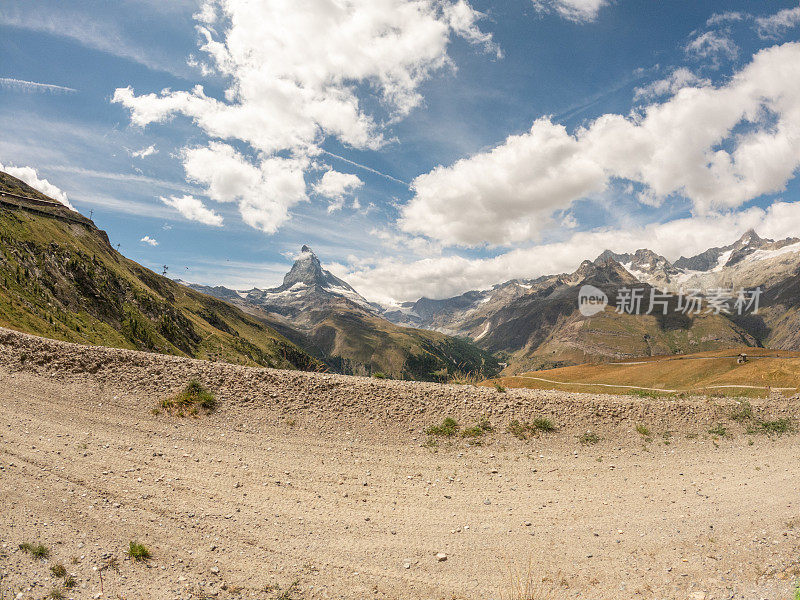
[500, 388]
[588, 438]
[379, 375]
[35, 550]
[524, 430]
[138, 551]
[482, 428]
[543, 424]
[643, 430]
[70, 582]
[56, 594]
[448, 428]
[518, 430]
[58, 570]
[193, 396]
[778, 427]
[743, 412]
[718, 430]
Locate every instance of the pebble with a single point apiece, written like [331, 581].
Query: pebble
[441, 557]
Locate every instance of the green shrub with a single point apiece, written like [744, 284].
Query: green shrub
[524, 430]
[35, 550]
[500, 388]
[588, 438]
[743, 412]
[58, 570]
[448, 428]
[718, 430]
[193, 396]
[543, 424]
[138, 551]
[778, 427]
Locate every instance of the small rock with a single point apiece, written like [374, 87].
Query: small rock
[441, 557]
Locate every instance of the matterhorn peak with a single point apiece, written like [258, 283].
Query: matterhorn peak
[305, 249]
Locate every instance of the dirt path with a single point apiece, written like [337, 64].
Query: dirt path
[326, 481]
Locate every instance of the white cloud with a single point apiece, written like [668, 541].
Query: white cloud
[725, 17]
[775, 25]
[31, 177]
[144, 152]
[264, 192]
[298, 73]
[336, 186]
[148, 240]
[669, 86]
[33, 87]
[193, 209]
[391, 280]
[579, 11]
[719, 147]
[712, 45]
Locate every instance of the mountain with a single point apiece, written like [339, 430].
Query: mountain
[332, 321]
[61, 278]
[537, 323]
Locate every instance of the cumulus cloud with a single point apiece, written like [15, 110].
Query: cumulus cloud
[149, 241]
[775, 25]
[579, 11]
[337, 186]
[299, 72]
[144, 152]
[717, 146]
[31, 177]
[712, 45]
[193, 209]
[669, 86]
[391, 280]
[264, 192]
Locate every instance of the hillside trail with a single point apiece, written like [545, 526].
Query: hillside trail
[319, 486]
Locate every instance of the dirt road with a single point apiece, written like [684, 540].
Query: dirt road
[327, 483]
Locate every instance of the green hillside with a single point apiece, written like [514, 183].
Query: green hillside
[60, 278]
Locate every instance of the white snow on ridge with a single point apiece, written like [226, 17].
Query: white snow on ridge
[723, 260]
[768, 254]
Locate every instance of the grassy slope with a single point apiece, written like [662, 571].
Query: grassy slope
[63, 280]
[695, 372]
[355, 341]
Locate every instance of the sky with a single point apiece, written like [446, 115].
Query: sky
[420, 147]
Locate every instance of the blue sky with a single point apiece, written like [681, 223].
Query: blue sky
[490, 140]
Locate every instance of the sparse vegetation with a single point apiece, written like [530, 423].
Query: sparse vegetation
[465, 378]
[379, 375]
[543, 424]
[35, 550]
[56, 594]
[588, 438]
[643, 430]
[70, 582]
[287, 593]
[743, 412]
[500, 388]
[58, 570]
[448, 428]
[777, 427]
[718, 430]
[482, 428]
[193, 397]
[524, 430]
[137, 551]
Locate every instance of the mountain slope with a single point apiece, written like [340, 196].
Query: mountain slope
[60, 278]
[341, 327]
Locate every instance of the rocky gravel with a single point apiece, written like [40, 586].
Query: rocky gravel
[322, 486]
